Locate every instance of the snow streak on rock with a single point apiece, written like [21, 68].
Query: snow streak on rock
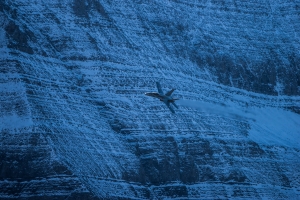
[75, 124]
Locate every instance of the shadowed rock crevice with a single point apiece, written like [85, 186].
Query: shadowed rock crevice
[82, 8]
[236, 176]
[18, 39]
[262, 77]
[23, 170]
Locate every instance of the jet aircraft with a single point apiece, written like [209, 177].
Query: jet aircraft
[166, 98]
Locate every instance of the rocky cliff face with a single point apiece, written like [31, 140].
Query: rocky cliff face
[75, 124]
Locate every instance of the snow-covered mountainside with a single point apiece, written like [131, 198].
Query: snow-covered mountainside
[75, 123]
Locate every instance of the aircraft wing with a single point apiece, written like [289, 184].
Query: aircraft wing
[168, 105]
[175, 105]
[159, 88]
[170, 92]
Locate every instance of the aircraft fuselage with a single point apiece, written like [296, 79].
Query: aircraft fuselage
[161, 97]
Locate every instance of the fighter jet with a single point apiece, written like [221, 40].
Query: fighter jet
[166, 98]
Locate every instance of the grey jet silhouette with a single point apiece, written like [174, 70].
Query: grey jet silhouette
[166, 98]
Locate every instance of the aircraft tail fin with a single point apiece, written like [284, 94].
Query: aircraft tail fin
[159, 88]
[170, 92]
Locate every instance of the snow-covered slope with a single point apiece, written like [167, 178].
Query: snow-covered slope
[75, 122]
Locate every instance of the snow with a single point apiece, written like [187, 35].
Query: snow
[14, 121]
[268, 125]
[274, 126]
